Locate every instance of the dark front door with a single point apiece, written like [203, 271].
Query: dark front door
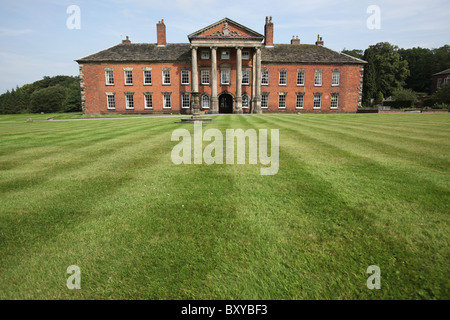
[225, 103]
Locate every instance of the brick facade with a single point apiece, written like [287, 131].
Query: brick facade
[226, 40]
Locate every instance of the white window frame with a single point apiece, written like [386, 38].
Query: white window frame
[319, 96]
[264, 104]
[318, 78]
[109, 75]
[128, 76]
[183, 77]
[300, 78]
[246, 75]
[165, 76]
[109, 102]
[203, 72]
[335, 78]
[335, 97]
[246, 55]
[263, 78]
[129, 101]
[282, 77]
[183, 100]
[300, 101]
[247, 98]
[206, 101]
[146, 101]
[224, 72]
[282, 100]
[167, 100]
[145, 77]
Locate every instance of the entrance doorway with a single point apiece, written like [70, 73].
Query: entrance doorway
[225, 103]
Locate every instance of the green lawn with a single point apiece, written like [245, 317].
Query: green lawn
[71, 115]
[351, 191]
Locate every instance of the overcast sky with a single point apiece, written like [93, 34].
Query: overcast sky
[35, 40]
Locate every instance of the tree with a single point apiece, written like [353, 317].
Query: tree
[72, 103]
[48, 99]
[357, 53]
[385, 71]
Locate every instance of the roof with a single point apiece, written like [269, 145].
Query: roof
[145, 52]
[442, 72]
[305, 53]
[181, 52]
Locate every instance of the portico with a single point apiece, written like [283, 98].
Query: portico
[221, 48]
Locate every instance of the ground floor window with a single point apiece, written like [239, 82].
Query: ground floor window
[317, 100]
[111, 101]
[205, 101]
[300, 100]
[148, 101]
[334, 100]
[282, 101]
[166, 101]
[265, 101]
[129, 99]
[185, 101]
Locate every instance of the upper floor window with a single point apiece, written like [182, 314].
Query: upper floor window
[335, 77]
[225, 77]
[184, 77]
[109, 77]
[300, 77]
[225, 55]
[245, 55]
[128, 77]
[265, 77]
[204, 55]
[283, 77]
[205, 77]
[147, 77]
[246, 77]
[318, 78]
[166, 76]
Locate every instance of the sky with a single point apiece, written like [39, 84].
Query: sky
[43, 37]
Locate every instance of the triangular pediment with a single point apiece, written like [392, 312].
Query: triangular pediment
[226, 29]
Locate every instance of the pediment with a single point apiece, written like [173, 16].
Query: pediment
[226, 29]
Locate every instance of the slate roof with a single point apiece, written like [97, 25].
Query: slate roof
[142, 52]
[305, 53]
[181, 52]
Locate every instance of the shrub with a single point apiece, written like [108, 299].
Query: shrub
[398, 104]
[406, 95]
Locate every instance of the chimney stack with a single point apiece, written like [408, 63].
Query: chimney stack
[268, 32]
[319, 41]
[127, 41]
[161, 33]
[295, 40]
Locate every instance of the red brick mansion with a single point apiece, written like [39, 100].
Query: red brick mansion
[233, 68]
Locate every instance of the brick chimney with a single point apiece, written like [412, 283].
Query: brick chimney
[161, 33]
[127, 40]
[319, 41]
[295, 40]
[268, 32]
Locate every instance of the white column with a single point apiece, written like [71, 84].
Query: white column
[253, 81]
[214, 99]
[239, 80]
[194, 70]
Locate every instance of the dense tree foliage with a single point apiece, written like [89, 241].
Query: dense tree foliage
[389, 69]
[423, 63]
[51, 94]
